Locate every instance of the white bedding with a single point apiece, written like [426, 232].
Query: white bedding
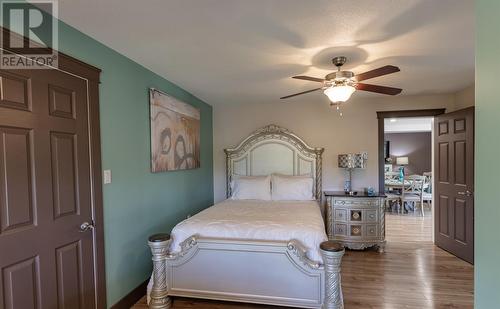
[257, 220]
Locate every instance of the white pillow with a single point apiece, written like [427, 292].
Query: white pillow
[292, 188]
[251, 188]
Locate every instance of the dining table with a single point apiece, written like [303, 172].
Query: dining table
[397, 184]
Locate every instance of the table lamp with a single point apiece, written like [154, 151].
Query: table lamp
[351, 161]
[402, 161]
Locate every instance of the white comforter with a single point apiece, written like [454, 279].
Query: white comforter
[257, 220]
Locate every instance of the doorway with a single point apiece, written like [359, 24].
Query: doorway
[408, 151]
[51, 228]
[405, 228]
[452, 178]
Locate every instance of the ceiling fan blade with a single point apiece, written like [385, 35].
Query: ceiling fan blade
[388, 69]
[378, 89]
[309, 78]
[303, 92]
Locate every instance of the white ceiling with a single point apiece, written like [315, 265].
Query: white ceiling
[243, 51]
[405, 125]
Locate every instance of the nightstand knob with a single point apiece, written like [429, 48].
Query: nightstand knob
[372, 216]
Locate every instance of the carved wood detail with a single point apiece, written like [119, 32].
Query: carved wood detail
[159, 292]
[349, 220]
[273, 132]
[333, 281]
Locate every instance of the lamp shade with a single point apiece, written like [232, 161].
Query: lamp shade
[402, 161]
[352, 160]
[339, 93]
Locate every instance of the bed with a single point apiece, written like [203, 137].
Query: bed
[256, 251]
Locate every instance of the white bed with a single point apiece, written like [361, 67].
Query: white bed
[252, 250]
[257, 220]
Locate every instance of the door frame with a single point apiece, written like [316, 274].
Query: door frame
[91, 75]
[381, 116]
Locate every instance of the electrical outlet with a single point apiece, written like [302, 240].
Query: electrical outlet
[107, 176]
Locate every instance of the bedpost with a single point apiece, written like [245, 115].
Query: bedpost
[319, 174]
[159, 244]
[332, 253]
[228, 174]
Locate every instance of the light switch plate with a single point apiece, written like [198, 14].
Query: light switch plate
[107, 176]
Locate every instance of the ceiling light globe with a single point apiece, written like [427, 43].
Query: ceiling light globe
[340, 93]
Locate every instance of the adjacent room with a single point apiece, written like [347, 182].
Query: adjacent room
[249, 154]
[408, 151]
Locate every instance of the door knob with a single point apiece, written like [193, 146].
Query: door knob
[466, 193]
[85, 226]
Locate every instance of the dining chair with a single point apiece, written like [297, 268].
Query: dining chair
[427, 190]
[428, 182]
[413, 192]
[392, 196]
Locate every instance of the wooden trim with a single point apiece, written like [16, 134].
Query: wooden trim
[397, 114]
[65, 62]
[381, 155]
[96, 168]
[92, 75]
[132, 297]
[411, 113]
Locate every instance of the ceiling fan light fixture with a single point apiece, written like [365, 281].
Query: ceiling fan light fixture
[340, 85]
[339, 93]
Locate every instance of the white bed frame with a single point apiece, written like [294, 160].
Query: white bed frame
[253, 271]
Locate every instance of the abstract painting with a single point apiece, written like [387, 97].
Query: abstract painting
[175, 133]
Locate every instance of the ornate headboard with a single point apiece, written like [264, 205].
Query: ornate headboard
[273, 149]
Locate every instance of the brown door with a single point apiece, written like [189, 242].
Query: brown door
[46, 261]
[454, 169]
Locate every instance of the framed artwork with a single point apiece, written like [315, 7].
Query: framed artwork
[175, 133]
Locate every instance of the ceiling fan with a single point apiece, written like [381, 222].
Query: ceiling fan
[339, 86]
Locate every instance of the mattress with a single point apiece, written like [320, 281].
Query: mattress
[257, 220]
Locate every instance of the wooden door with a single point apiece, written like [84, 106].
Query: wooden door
[46, 261]
[454, 179]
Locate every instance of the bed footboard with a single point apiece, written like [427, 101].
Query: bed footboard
[214, 269]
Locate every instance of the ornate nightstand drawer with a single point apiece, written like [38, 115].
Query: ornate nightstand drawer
[340, 229]
[341, 215]
[356, 202]
[355, 215]
[371, 216]
[356, 230]
[371, 230]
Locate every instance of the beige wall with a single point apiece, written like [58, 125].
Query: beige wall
[319, 126]
[465, 98]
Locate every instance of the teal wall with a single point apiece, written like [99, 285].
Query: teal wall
[487, 205]
[137, 203]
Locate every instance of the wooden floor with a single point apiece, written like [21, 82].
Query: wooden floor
[411, 274]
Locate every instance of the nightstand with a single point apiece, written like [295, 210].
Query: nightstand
[357, 221]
